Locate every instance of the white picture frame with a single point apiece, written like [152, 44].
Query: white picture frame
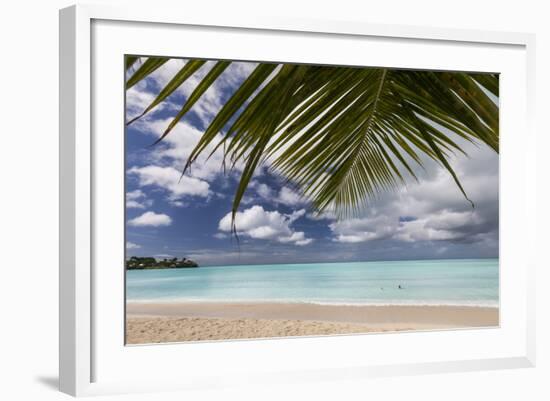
[91, 362]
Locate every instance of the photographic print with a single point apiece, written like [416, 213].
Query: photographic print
[276, 200]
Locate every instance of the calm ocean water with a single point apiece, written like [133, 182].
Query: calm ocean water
[445, 282]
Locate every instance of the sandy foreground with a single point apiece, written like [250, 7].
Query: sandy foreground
[173, 322]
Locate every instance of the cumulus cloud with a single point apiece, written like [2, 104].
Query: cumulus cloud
[137, 99]
[171, 180]
[142, 94]
[326, 215]
[434, 209]
[151, 219]
[363, 229]
[137, 200]
[298, 238]
[172, 153]
[263, 190]
[175, 148]
[285, 196]
[211, 101]
[257, 223]
[289, 197]
[168, 159]
[443, 225]
[131, 245]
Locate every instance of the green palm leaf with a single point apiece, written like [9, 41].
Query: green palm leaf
[202, 87]
[189, 69]
[342, 135]
[130, 61]
[149, 66]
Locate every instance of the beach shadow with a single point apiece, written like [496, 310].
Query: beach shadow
[52, 382]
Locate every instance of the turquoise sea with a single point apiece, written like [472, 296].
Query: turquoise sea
[423, 282]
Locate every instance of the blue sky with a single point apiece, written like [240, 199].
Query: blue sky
[169, 217]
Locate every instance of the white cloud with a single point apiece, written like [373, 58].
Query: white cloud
[363, 229]
[440, 211]
[211, 101]
[162, 75]
[137, 99]
[289, 197]
[167, 159]
[286, 196]
[132, 204]
[326, 215]
[295, 215]
[298, 238]
[263, 190]
[426, 223]
[178, 203]
[131, 245]
[444, 225]
[174, 150]
[171, 180]
[435, 208]
[167, 71]
[151, 219]
[133, 195]
[137, 200]
[177, 146]
[258, 191]
[257, 223]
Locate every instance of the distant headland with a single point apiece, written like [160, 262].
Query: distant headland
[137, 263]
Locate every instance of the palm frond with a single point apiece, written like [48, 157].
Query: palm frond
[189, 69]
[340, 135]
[129, 61]
[145, 69]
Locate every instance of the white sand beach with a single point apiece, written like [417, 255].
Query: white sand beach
[190, 321]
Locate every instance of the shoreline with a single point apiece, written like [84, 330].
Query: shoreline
[319, 303]
[199, 321]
